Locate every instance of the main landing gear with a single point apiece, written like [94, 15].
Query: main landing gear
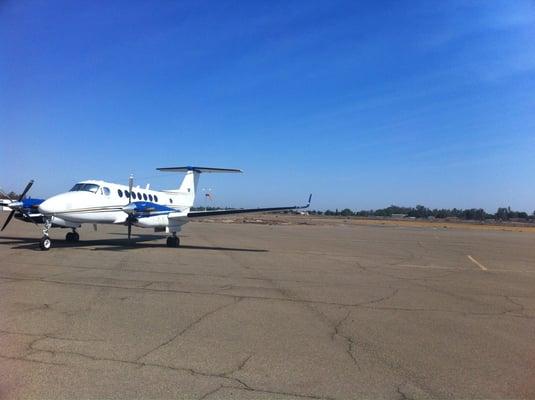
[173, 241]
[72, 236]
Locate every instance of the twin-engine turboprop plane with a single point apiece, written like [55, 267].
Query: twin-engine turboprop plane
[99, 202]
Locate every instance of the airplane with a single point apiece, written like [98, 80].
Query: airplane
[100, 202]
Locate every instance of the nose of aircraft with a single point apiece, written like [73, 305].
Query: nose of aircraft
[47, 207]
[54, 204]
[63, 202]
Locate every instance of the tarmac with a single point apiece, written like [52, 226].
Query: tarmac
[251, 311]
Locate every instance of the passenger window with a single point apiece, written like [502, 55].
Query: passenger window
[106, 191]
[150, 197]
[171, 201]
[145, 196]
[139, 196]
[127, 193]
[133, 195]
[156, 198]
[120, 192]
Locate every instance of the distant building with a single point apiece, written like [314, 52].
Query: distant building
[298, 212]
[399, 216]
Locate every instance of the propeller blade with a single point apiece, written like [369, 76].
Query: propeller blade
[18, 205]
[8, 219]
[130, 184]
[129, 219]
[28, 186]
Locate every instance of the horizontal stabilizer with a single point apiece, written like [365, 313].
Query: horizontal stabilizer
[199, 169]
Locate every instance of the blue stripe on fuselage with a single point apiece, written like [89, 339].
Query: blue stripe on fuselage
[147, 207]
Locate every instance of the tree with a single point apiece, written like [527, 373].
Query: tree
[522, 214]
[346, 212]
[419, 212]
[502, 214]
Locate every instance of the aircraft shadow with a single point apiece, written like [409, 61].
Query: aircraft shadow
[141, 241]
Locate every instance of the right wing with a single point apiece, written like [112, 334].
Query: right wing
[197, 214]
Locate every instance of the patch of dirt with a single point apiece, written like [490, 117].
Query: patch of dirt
[290, 219]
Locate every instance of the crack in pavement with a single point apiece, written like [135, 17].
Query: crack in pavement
[30, 360]
[188, 327]
[190, 371]
[225, 376]
[207, 293]
[402, 394]
[380, 299]
[378, 354]
[304, 396]
[349, 340]
[521, 310]
[217, 389]
[239, 367]
[350, 343]
[254, 390]
[293, 300]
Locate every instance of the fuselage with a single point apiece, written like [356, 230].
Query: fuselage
[101, 202]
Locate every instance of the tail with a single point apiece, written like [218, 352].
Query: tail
[188, 187]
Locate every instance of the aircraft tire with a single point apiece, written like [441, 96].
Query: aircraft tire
[173, 241]
[45, 243]
[75, 237]
[69, 237]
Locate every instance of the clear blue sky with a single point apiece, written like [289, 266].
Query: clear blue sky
[364, 104]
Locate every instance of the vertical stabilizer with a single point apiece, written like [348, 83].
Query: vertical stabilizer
[189, 184]
[187, 189]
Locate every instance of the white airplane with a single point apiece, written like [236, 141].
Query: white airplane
[99, 202]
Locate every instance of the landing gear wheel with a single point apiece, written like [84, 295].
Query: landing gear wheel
[72, 237]
[45, 243]
[173, 241]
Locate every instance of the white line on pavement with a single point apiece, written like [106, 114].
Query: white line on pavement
[477, 263]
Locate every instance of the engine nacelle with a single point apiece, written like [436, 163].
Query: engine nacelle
[65, 224]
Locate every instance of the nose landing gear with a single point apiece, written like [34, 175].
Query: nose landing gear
[45, 243]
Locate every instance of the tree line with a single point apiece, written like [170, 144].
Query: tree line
[477, 214]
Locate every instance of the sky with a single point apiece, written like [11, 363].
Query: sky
[363, 104]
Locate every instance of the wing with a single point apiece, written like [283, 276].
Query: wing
[196, 214]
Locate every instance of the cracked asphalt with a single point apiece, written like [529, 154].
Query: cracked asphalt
[261, 312]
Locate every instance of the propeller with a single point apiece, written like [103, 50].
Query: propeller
[130, 217]
[17, 205]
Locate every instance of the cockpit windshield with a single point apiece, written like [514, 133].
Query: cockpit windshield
[85, 187]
